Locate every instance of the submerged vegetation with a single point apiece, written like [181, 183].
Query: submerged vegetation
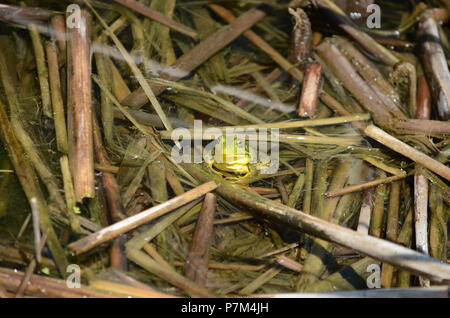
[91, 93]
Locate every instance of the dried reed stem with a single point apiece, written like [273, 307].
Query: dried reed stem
[80, 108]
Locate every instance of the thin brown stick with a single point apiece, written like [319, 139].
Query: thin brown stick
[80, 109]
[200, 53]
[365, 186]
[196, 266]
[112, 231]
[157, 16]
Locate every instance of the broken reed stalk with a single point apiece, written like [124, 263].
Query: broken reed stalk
[57, 99]
[365, 186]
[260, 43]
[104, 235]
[42, 70]
[348, 26]
[196, 264]
[301, 43]
[310, 91]
[81, 154]
[407, 151]
[157, 16]
[435, 63]
[30, 185]
[200, 54]
[376, 248]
